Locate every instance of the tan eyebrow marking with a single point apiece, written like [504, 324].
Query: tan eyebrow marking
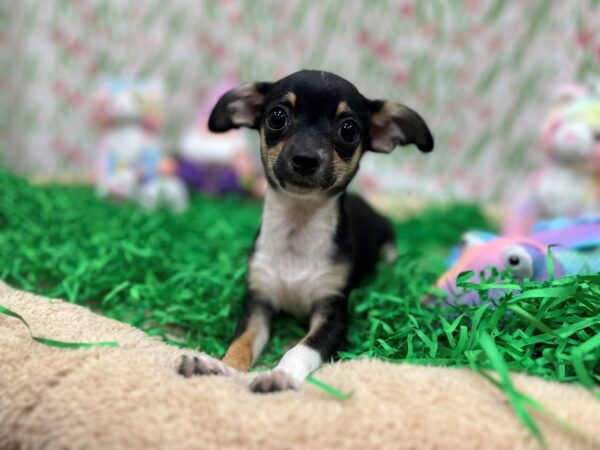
[342, 108]
[290, 97]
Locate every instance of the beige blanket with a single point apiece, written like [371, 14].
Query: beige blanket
[131, 397]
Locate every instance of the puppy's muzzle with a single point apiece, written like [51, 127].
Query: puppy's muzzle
[304, 163]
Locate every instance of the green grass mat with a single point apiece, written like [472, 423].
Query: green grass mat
[182, 277]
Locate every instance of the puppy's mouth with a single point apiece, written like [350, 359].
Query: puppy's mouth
[292, 182]
[298, 185]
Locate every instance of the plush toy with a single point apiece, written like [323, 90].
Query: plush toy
[217, 163]
[577, 251]
[130, 157]
[468, 240]
[568, 183]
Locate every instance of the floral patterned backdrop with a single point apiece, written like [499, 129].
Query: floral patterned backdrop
[479, 71]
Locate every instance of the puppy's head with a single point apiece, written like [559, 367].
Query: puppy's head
[314, 128]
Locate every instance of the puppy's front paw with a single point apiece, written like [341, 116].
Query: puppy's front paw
[273, 381]
[203, 365]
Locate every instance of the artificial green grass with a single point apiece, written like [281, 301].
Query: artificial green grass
[182, 277]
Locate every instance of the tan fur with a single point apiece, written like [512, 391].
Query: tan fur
[263, 143]
[269, 154]
[342, 168]
[249, 92]
[355, 158]
[291, 98]
[342, 108]
[239, 353]
[385, 114]
[245, 349]
[339, 167]
[274, 151]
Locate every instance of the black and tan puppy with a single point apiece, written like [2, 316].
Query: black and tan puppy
[315, 242]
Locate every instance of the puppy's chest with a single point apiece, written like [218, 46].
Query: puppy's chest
[292, 265]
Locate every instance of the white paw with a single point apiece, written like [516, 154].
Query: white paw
[203, 364]
[273, 381]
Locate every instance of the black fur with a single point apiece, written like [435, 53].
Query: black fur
[367, 231]
[327, 338]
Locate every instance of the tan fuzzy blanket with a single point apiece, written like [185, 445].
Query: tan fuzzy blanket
[131, 397]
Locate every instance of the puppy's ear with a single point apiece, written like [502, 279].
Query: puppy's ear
[239, 107]
[392, 124]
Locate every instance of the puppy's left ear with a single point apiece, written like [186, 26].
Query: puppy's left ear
[392, 124]
[239, 107]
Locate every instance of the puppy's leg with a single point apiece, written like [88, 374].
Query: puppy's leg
[327, 330]
[250, 338]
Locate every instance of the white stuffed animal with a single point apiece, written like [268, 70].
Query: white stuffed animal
[130, 155]
[567, 185]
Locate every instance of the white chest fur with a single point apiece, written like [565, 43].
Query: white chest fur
[291, 265]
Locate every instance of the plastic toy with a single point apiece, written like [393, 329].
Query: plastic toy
[568, 183]
[217, 163]
[576, 251]
[130, 157]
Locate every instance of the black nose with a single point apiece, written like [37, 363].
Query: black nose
[305, 164]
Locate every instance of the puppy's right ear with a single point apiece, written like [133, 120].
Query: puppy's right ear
[239, 107]
[393, 124]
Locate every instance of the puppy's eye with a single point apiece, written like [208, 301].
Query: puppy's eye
[349, 131]
[277, 118]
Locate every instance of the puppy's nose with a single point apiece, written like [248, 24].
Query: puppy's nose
[305, 164]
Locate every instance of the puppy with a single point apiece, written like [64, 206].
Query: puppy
[315, 242]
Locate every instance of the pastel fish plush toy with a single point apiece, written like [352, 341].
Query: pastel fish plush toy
[576, 250]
